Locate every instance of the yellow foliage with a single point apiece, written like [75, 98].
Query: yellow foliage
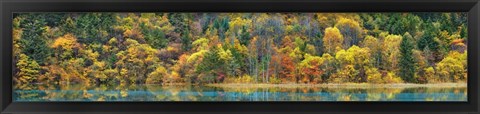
[332, 40]
[310, 49]
[111, 73]
[67, 42]
[309, 58]
[344, 75]
[134, 34]
[430, 75]
[28, 69]
[391, 51]
[91, 54]
[123, 73]
[225, 54]
[201, 44]
[174, 77]
[289, 55]
[274, 80]
[97, 70]
[113, 41]
[391, 78]
[236, 23]
[371, 42]
[241, 48]
[245, 79]
[296, 53]
[421, 61]
[197, 56]
[156, 76]
[16, 35]
[373, 76]
[351, 30]
[354, 55]
[310, 68]
[453, 67]
[349, 22]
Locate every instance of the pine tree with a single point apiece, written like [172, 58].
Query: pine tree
[407, 62]
[34, 41]
[429, 40]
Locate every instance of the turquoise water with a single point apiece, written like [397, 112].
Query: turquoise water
[34, 93]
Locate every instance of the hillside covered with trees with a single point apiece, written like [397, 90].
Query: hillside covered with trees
[206, 48]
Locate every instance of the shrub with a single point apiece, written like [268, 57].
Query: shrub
[156, 76]
[244, 79]
[274, 80]
[392, 78]
[373, 76]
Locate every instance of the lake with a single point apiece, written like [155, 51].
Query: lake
[80, 93]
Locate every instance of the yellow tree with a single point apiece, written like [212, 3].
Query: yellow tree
[390, 52]
[373, 76]
[69, 62]
[16, 36]
[354, 60]
[453, 67]
[65, 46]
[351, 30]
[28, 70]
[375, 48]
[200, 44]
[332, 40]
[137, 61]
[156, 77]
[238, 29]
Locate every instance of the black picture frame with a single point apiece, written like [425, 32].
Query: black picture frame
[10, 6]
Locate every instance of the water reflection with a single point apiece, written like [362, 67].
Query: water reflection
[202, 93]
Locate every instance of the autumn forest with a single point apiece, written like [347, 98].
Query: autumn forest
[247, 48]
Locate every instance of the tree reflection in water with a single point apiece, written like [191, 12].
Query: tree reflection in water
[203, 93]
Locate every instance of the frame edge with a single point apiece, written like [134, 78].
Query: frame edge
[5, 51]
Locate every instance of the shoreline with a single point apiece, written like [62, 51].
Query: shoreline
[328, 85]
[346, 85]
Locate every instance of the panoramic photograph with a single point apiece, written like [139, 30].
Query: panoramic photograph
[217, 57]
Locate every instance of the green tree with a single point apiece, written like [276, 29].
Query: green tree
[427, 40]
[404, 22]
[186, 41]
[94, 27]
[221, 25]
[34, 40]
[155, 37]
[209, 67]
[407, 62]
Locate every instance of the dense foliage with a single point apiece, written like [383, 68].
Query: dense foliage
[202, 48]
